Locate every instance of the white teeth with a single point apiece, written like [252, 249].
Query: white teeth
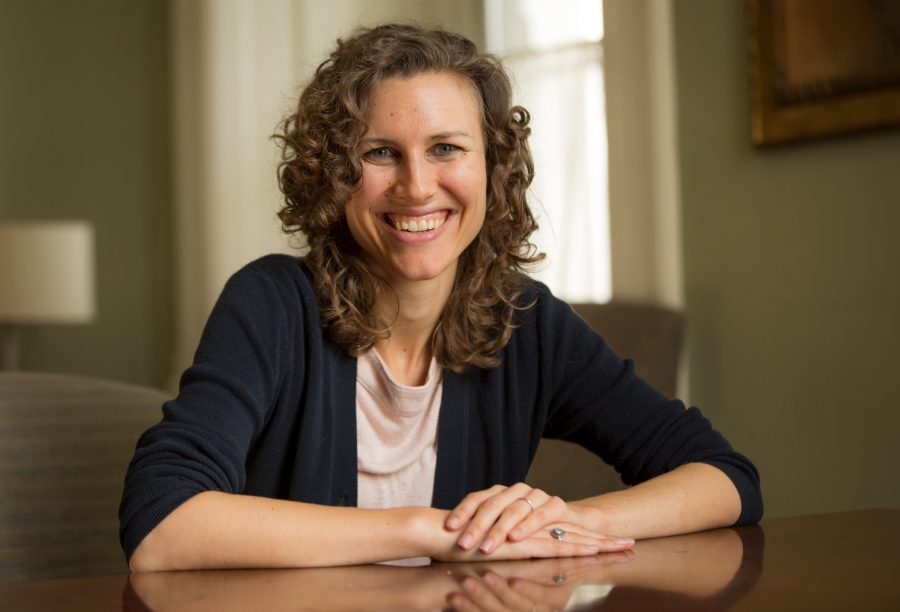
[419, 226]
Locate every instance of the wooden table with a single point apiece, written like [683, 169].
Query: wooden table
[847, 561]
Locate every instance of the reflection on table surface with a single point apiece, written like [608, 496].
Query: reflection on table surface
[846, 561]
[708, 571]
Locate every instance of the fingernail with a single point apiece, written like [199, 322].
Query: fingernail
[469, 584]
[516, 534]
[452, 522]
[489, 578]
[487, 546]
[465, 542]
[593, 548]
[623, 541]
[623, 560]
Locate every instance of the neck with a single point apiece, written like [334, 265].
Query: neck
[415, 308]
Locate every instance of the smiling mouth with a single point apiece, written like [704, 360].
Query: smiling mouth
[417, 225]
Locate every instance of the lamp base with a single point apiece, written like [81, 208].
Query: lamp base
[10, 348]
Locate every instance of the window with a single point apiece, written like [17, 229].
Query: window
[554, 50]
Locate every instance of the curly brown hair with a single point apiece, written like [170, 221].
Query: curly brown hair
[321, 167]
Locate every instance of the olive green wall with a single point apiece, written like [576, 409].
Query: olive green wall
[84, 135]
[792, 271]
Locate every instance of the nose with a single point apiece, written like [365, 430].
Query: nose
[417, 180]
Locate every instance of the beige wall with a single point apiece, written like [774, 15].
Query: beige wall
[84, 135]
[792, 270]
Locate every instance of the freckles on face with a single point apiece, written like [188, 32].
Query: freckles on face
[422, 197]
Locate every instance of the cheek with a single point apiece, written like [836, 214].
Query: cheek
[468, 175]
[375, 182]
[359, 209]
[356, 214]
[470, 187]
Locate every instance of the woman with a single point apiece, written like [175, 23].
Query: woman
[383, 397]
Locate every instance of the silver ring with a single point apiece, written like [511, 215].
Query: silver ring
[557, 533]
[559, 578]
[528, 501]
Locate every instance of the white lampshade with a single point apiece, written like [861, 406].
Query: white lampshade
[46, 272]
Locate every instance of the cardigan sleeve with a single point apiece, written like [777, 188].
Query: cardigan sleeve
[224, 402]
[599, 403]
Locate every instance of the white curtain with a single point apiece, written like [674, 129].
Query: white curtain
[555, 52]
[563, 90]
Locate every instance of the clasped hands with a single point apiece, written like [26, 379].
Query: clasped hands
[516, 523]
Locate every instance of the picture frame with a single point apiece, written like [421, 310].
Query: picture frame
[823, 67]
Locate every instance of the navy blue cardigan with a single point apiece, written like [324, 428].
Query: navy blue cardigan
[269, 408]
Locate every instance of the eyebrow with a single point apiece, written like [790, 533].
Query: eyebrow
[439, 136]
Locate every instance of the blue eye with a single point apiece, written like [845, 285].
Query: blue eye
[379, 153]
[446, 149]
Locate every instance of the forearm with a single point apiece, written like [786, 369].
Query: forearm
[219, 530]
[690, 498]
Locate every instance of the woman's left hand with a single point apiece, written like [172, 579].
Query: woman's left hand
[492, 516]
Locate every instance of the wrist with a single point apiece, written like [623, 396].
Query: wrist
[425, 529]
[591, 516]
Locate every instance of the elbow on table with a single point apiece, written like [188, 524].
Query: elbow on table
[147, 558]
[159, 551]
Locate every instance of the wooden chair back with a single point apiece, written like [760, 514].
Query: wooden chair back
[65, 444]
[650, 335]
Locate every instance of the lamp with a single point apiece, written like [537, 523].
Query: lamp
[46, 276]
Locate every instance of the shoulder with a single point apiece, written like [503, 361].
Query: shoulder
[280, 274]
[537, 306]
[548, 326]
[265, 318]
[276, 269]
[271, 287]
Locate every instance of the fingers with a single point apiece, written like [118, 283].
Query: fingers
[519, 510]
[573, 535]
[542, 546]
[552, 510]
[548, 512]
[517, 513]
[576, 546]
[576, 542]
[498, 511]
[466, 509]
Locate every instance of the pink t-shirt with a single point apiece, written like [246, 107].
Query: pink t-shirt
[396, 435]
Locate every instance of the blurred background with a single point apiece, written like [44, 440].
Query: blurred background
[151, 121]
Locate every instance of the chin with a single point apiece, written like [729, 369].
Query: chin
[422, 271]
[417, 275]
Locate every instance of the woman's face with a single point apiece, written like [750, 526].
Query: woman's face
[422, 197]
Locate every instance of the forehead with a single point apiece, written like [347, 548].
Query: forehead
[425, 98]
